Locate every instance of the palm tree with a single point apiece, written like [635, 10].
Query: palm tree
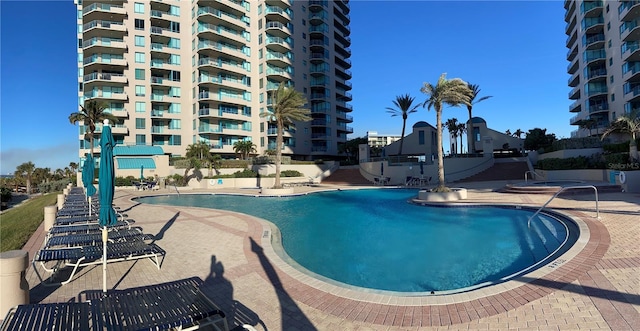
[93, 112]
[462, 129]
[508, 132]
[287, 107]
[475, 90]
[25, 171]
[453, 92]
[588, 124]
[628, 123]
[518, 133]
[452, 127]
[404, 107]
[244, 148]
[200, 151]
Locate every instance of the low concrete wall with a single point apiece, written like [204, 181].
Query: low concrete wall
[456, 168]
[596, 175]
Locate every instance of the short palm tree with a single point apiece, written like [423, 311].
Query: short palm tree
[518, 133]
[462, 129]
[288, 106]
[452, 127]
[244, 148]
[453, 92]
[93, 112]
[26, 171]
[404, 107]
[200, 151]
[588, 124]
[629, 123]
[475, 90]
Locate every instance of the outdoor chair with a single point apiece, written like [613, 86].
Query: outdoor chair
[174, 305]
[81, 256]
[60, 229]
[49, 316]
[95, 238]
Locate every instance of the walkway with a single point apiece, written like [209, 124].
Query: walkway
[597, 287]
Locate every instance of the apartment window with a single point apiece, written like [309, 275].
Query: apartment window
[304, 22]
[304, 90]
[421, 137]
[140, 90]
[141, 107]
[140, 74]
[175, 124]
[138, 8]
[139, 41]
[79, 42]
[304, 49]
[261, 127]
[304, 9]
[260, 53]
[141, 139]
[304, 35]
[261, 141]
[140, 123]
[611, 79]
[304, 76]
[260, 39]
[139, 24]
[139, 57]
[607, 8]
[608, 26]
[609, 43]
[610, 61]
[304, 63]
[259, 24]
[613, 97]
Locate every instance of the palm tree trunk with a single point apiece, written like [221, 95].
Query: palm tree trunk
[441, 186]
[461, 143]
[470, 145]
[280, 125]
[404, 122]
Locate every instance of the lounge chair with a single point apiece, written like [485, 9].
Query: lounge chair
[173, 305]
[95, 238]
[178, 305]
[49, 316]
[81, 256]
[60, 229]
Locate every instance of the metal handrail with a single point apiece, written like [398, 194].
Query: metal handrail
[558, 193]
[533, 175]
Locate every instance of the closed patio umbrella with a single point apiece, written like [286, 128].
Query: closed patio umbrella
[88, 169]
[421, 168]
[142, 173]
[106, 188]
[381, 169]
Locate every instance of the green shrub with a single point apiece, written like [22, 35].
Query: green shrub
[227, 164]
[576, 143]
[580, 162]
[5, 194]
[291, 173]
[54, 186]
[246, 173]
[617, 158]
[616, 148]
[126, 181]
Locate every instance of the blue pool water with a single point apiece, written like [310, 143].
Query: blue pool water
[375, 239]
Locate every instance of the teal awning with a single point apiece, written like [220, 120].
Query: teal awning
[136, 163]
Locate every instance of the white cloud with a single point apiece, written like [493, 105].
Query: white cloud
[54, 157]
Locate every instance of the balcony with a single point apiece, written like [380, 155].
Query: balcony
[344, 128]
[631, 71]
[217, 31]
[278, 44]
[282, 72]
[571, 25]
[594, 41]
[105, 77]
[599, 107]
[102, 11]
[107, 25]
[574, 93]
[591, 8]
[630, 31]
[99, 94]
[215, 16]
[592, 24]
[279, 29]
[576, 107]
[574, 80]
[572, 37]
[630, 51]
[277, 11]
[596, 74]
[279, 59]
[103, 44]
[629, 10]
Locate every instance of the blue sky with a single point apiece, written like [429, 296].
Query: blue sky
[515, 51]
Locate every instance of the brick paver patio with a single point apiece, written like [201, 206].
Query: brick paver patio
[595, 286]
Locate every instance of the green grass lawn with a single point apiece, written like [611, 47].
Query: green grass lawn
[19, 223]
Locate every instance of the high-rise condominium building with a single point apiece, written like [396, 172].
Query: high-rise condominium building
[180, 72]
[604, 62]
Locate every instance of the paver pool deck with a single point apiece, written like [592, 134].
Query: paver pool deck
[595, 286]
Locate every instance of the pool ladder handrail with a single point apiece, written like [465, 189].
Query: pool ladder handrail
[558, 193]
[533, 175]
[176, 187]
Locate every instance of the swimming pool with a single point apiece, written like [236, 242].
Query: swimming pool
[375, 239]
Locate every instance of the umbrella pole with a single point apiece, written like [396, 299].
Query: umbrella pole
[89, 206]
[104, 259]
